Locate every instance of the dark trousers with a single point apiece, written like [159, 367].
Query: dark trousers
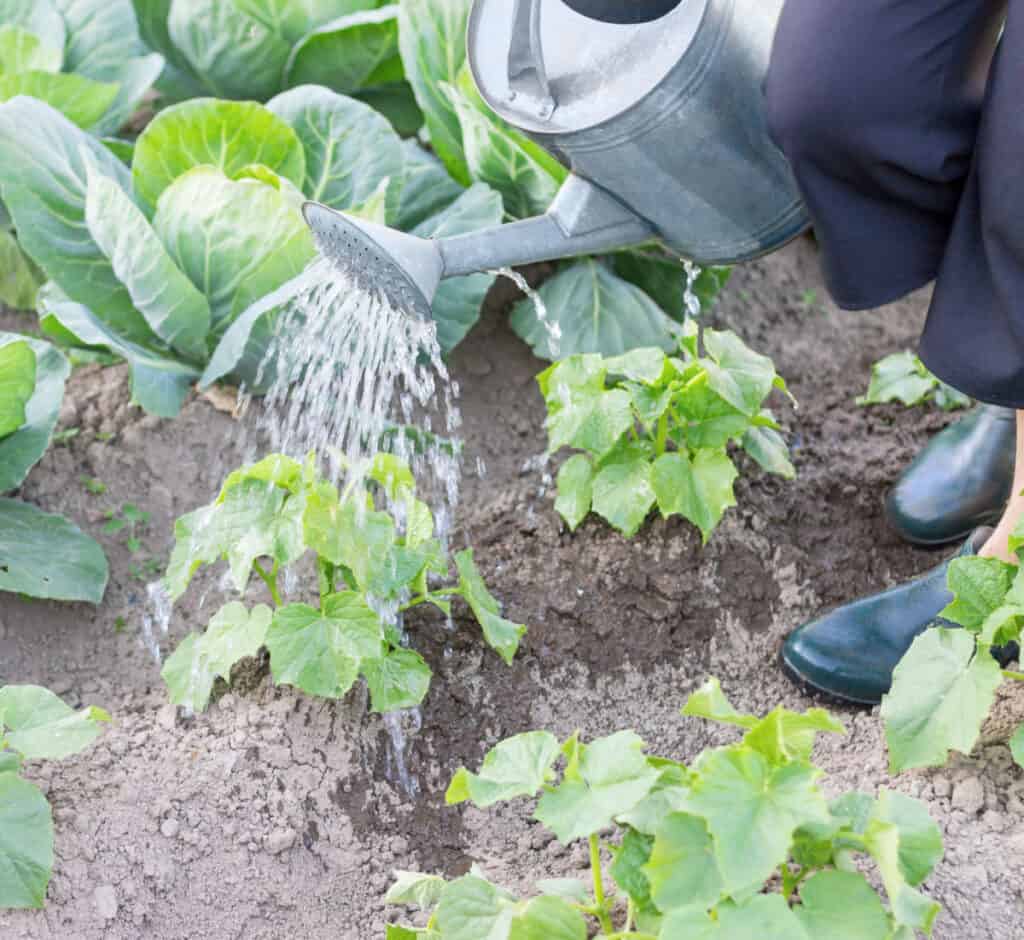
[905, 129]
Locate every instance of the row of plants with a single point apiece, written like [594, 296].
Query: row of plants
[740, 843]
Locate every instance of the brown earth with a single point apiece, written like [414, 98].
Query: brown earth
[274, 815]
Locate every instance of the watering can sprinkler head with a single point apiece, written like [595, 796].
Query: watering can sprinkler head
[379, 260]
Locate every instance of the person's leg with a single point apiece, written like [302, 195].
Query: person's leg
[998, 543]
[877, 105]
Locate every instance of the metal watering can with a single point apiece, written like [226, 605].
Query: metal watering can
[657, 108]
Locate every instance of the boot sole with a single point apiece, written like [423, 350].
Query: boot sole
[817, 691]
[988, 520]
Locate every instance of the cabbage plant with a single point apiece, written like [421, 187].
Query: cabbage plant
[160, 262]
[83, 57]
[255, 49]
[41, 555]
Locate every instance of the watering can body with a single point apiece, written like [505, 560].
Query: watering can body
[661, 122]
[667, 116]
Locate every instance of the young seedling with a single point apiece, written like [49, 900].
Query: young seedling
[376, 555]
[654, 429]
[129, 520]
[94, 486]
[904, 378]
[34, 725]
[742, 843]
[944, 688]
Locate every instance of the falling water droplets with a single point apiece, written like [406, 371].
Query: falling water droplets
[692, 272]
[553, 329]
[157, 618]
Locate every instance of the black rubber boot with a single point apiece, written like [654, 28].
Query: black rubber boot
[960, 481]
[850, 653]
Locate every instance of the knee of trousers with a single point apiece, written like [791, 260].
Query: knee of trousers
[812, 117]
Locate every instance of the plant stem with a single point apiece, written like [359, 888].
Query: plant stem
[1017, 676]
[595, 871]
[270, 579]
[662, 439]
[429, 598]
[630, 914]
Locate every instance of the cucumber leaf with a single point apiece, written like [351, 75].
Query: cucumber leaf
[39, 725]
[17, 383]
[26, 843]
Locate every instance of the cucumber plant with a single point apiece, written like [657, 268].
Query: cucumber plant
[945, 686]
[903, 377]
[740, 843]
[654, 429]
[34, 725]
[377, 556]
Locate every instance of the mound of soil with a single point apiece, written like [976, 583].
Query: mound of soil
[278, 815]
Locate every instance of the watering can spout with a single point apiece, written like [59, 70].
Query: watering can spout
[583, 219]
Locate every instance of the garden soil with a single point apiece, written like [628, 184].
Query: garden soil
[276, 815]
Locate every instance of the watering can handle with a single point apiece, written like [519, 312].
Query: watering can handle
[527, 75]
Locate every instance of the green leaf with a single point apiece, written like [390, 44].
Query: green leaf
[682, 870]
[628, 868]
[765, 917]
[666, 797]
[48, 557]
[768, 447]
[160, 382]
[622, 489]
[23, 51]
[909, 906]
[399, 680]
[741, 376]
[43, 175]
[664, 279]
[502, 157]
[596, 311]
[900, 377]
[19, 277]
[571, 889]
[611, 776]
[17, 383]
[581, 413]
[841, 905]
[432, 42]
[427, 188]
[172, 306]
[1017, 746]
[783, 736]
[10, 762]
[82, 100]
[228, 135]
[416, 890]
[501, 635]
[104, 45]
[233, 55]
[752, 808]
[699, 489]
[518, 766]
[321, 652]
[222, 232]
[350, 149]
[920, 838]
[641, 365]
[575, 490]
[40, 17]
[710, 702]
[32, 376]
[942, 691]
[253, 520]
[471, 908]
[396, 101]
[233, 633]
[458, 300]
[42, 727]
[349, 53]
[549, 918]
[293, 19]
[26, 843]
[979, 586]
